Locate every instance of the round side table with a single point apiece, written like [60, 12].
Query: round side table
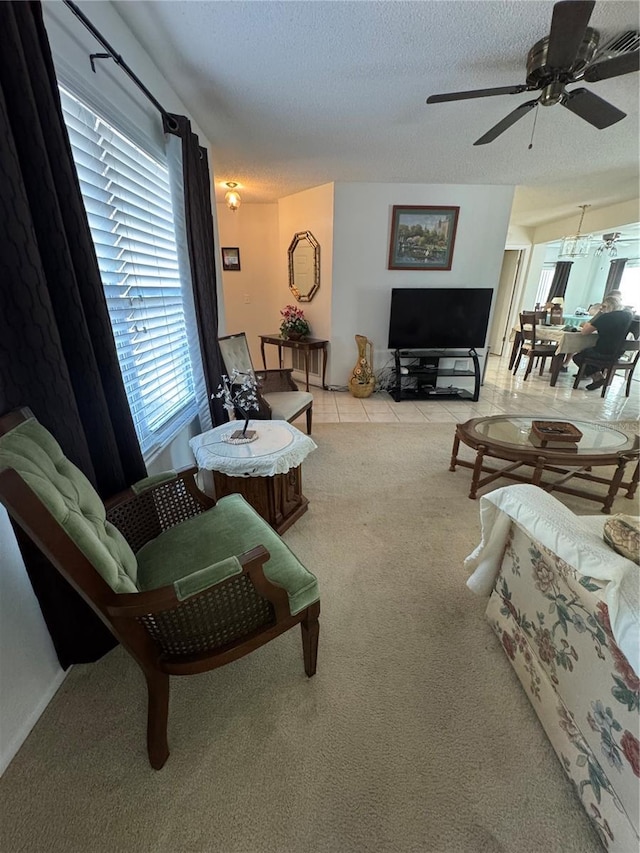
[267, 472]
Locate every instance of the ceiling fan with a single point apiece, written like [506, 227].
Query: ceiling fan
[563, 57]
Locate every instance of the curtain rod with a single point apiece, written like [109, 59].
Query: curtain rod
[171, 122]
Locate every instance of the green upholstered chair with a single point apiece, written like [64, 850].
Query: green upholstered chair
[185, 583]
[278, 395]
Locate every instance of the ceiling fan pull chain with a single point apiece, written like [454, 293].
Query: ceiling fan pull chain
[533, 129]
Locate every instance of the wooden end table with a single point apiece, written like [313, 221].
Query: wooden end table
[304, 344]
[507, 438]
[267, 472]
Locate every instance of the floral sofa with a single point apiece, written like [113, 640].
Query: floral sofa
[565, 607]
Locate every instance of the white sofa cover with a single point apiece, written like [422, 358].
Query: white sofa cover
[565, 607]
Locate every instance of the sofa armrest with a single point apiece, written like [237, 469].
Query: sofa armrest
[550, 523]
[578, 547]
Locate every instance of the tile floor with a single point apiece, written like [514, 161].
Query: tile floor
[501, 392]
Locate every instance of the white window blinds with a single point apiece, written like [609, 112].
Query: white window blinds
[128, 201]
[544, 284]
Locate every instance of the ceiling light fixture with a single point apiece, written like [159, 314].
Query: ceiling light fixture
[232, 198]
[608, 245]
[578, 245]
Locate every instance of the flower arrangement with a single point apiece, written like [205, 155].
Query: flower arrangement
[239, 394]
[293, 323]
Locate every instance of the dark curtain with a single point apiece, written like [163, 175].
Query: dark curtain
[616, 268]
[199, 227]
[559, 280]
[57, 353]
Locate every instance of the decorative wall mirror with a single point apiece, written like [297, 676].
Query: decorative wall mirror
[304, 266]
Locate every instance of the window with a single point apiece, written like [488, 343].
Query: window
[544, 285]
[127, 197]
[630, 284]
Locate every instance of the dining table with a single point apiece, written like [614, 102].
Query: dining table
[568, 342]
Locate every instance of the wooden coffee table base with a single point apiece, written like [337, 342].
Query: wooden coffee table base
[540, 464]
[278, 499]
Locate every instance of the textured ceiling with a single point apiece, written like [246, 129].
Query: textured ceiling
[297, 94]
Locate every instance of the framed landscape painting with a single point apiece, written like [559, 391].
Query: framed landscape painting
[422, 238]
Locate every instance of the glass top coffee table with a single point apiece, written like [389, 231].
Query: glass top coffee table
[509, 438]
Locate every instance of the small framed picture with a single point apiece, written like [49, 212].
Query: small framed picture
[422, 238]
[230, 258]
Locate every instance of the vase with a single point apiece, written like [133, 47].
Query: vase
[362, 382]
[294, 336]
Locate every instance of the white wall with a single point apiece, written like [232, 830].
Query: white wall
[310, 210]
[30, 672]
[254, 294]
[361, 281]
[600, 219]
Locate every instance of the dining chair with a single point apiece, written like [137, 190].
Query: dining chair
[541, 316]
[185, 584]
[609, 366]
[278, 395]
[531, 346]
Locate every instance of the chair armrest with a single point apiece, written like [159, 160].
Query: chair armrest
[155, 504]
[279, 379]
[202, 579]
[184, 595]
[148, 483]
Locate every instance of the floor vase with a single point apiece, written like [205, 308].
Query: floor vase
[362, 382]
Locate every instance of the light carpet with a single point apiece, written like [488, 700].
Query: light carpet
[413, 736]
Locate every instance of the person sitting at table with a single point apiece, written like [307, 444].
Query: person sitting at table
[612, 325]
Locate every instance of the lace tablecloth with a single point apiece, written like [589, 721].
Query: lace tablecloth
[278, 448]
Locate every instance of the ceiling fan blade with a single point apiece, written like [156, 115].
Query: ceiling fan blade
[506, 123]
[477, 93]
[568, 26]
[591, 108]
[623, 64]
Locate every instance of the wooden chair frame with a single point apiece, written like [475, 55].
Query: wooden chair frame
[530, 346]
[610, 366]
[269, 382]
[140, 518]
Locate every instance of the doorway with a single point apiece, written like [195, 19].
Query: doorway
[505, 294]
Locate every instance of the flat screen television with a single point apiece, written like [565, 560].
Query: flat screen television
[439, 317]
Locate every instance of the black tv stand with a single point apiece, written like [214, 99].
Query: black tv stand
[417, 373]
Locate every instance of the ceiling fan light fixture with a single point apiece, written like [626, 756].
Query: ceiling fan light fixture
[608, 245]
[577, 245]
[568, 55]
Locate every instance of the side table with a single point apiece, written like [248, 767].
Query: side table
[267, 472]
[304, 344]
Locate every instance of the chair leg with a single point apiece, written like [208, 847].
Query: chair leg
[608, 379]
[543, 362]
[627, 390]
[517, 361]
[157, 717]
[529, 366]
[309, 416]
[310, 628]
[579, 375]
